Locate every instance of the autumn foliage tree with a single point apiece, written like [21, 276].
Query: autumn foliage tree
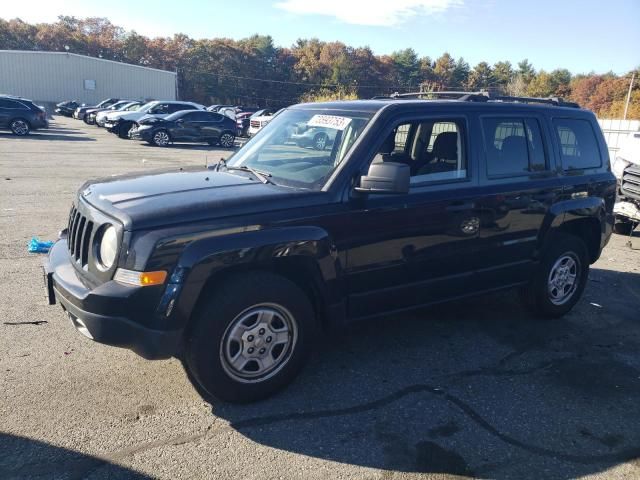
[254, 71]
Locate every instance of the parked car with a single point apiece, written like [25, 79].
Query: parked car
[67, 108]
[21, 115]
[80, 112]
[258, 120]
[120, 123]
[314, 137]
[90, 114]
[242, 123]
[101, 117]
[187, 126]
[235, 267]
[215, 108]
[626, 167]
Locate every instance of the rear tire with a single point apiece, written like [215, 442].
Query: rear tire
[19, 127]
[88, 119]
[624, 227]
[251, 337]
[227, 140]
[560, 279]
[320, 141]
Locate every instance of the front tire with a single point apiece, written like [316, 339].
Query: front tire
[19, 127]
[89, 120]
[560, 279]
[251, 338]
[161, 138]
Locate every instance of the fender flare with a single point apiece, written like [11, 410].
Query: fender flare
[208, 258]
[570, 210]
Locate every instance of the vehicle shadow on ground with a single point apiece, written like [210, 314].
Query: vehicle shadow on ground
[24, 458]
[46, 135]
[195, 146]
[472, 388]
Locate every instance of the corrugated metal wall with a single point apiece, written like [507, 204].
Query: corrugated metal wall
[615, 131]
[54, 77]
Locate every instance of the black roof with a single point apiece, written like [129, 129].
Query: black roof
[374, 105]
[463, 100]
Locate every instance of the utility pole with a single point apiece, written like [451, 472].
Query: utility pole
[626, 105]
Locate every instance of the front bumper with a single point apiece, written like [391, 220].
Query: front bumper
[111, 126]
[141, 133]
[102, 313]
[627, 210]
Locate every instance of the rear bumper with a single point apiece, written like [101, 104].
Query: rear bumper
[101, 314]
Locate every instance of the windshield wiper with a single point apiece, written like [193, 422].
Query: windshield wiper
[260, 175]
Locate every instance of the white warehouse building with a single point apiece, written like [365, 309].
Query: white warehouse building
[52, 77]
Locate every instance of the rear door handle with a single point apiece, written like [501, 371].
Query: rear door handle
[460, 206]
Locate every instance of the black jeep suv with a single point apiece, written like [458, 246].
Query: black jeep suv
[234, 268]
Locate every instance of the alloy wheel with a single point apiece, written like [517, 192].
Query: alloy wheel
[258, 343]
[161, 138]
[226, 140]
[19, 127]
[563, 278]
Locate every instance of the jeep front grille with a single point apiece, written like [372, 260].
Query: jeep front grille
[79, 236]
[631, 181]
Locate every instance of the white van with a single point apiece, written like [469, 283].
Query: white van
[626, 168]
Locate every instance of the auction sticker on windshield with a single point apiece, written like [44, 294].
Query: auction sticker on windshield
[329, 121]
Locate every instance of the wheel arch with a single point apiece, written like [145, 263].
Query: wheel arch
[585, 218]
[303, 255]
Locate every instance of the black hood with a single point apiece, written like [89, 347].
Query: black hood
[172, 197]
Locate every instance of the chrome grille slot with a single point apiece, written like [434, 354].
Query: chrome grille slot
[74, 232]
[631, 181]
[86, 242]
[80, 234]
[78, 240]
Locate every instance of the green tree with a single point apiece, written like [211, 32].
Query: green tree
[443, 70]
[481, 77]
[503, 74]
[407, 67]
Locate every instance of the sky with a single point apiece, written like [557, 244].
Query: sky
[583, 36]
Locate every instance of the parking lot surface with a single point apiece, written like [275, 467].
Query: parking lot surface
[476, 388]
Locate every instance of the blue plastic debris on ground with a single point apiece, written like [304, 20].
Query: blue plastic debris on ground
[38, 246]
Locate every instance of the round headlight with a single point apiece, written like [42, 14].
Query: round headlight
[108, 247]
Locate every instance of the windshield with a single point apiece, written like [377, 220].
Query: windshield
[147, 106]
[301, 148]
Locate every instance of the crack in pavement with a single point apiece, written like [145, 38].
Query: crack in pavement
[621, 455]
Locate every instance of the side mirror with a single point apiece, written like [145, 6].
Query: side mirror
[180, 120]
[387, 177]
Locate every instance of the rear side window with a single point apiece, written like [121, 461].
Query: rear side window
[12, 104]
[177, 107]
[578, 144]
[513, 146]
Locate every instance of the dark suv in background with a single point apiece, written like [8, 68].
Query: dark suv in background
[198, 126]
[234, 268]
[21, 115]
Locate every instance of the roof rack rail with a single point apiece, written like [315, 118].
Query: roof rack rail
[482, 97]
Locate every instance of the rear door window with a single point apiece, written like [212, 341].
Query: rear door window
[177, 107]
[12, 104]
[513, 146]
[578, 145]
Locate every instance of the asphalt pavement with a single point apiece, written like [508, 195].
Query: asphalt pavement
[475, 388]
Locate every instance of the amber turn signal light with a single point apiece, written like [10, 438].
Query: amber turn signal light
[141, 279]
